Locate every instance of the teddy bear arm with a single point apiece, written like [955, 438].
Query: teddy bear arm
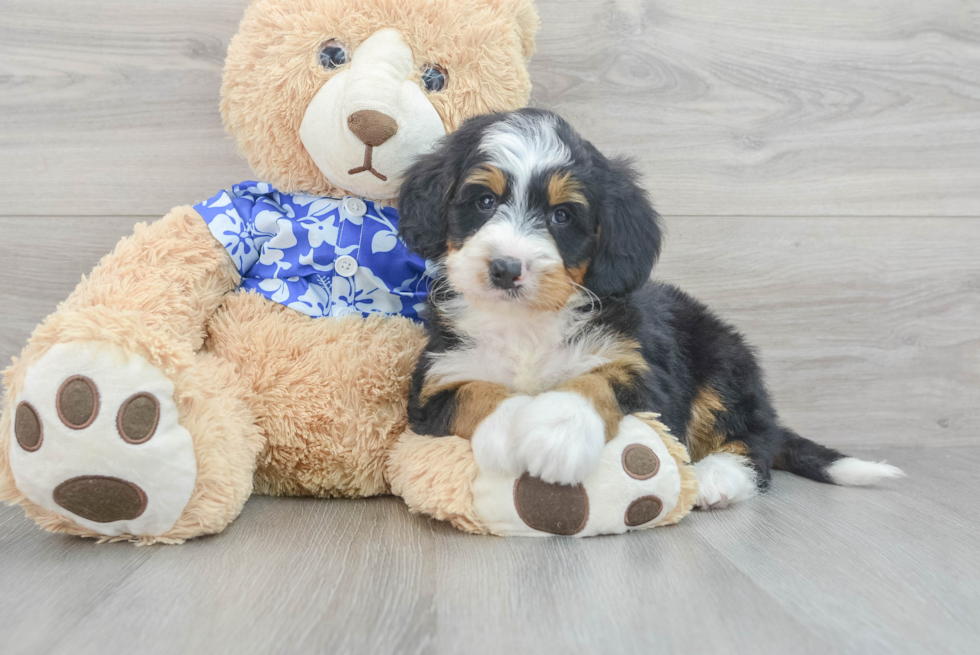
[172, 272]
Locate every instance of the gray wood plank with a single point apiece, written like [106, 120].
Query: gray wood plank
[853, 564]
[52, 582]
[112, 107]
[661, 592]
[803, 568]
[867, 327]
[762, 107]
[810, 107]
[292, 576]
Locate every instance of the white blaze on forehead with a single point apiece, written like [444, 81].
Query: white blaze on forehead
[523, 145]
[509, 238]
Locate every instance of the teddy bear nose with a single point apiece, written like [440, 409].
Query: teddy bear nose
[372, 127]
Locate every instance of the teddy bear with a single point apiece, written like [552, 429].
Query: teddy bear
[263, 340]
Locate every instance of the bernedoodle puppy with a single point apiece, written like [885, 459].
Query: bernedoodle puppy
[545, 329]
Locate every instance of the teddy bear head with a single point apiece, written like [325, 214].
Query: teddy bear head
[338, 97]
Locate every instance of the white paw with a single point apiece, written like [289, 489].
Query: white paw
[96, 439]
[493, 446]
[559, 437]
[723, 479]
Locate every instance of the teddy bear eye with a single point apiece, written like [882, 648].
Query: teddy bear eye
[434, 79]
[333, 54]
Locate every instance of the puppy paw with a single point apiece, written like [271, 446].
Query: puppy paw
[723, 479]
[493, 446]
[559, 437]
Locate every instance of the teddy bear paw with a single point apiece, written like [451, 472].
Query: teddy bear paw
[636, 484]
[97, 440]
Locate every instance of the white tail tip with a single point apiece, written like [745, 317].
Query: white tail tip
[854, 472]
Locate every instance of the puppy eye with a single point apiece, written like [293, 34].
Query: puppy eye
[434, 79]
[333, 54]
[486, 203]
[560, 217]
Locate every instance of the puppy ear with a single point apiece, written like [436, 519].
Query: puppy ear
[629, 237]
[422, 201]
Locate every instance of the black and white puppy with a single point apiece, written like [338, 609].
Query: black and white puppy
[545, 329]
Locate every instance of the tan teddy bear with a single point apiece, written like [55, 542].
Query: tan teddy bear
[263, 340]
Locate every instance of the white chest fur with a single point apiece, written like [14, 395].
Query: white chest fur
[527, 352]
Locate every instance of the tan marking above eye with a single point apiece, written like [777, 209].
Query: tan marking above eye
[138, 418]
[27, 427]
[488, 176]
[77, 402]
[563, 188]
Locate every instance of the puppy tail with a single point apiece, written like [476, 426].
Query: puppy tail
[811, 460]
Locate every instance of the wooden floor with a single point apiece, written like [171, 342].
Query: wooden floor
[806, 568]
[818, 166]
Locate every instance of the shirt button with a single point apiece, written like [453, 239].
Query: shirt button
[346, 265]
[355, 207]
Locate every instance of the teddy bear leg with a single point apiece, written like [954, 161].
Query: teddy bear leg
[643, 480]
[113, 425]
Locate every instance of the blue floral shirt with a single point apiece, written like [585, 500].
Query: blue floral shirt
[319, 256]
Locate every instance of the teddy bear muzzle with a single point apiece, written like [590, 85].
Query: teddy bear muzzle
[352, 128]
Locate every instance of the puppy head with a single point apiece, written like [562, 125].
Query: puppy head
[523, 211]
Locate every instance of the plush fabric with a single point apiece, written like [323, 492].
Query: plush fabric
[189, 348]
[483, 44]
[440, 478]
[329, 394]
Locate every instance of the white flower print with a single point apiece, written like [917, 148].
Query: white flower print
[273, 250]
[321, 231]
[315, 302]
[230, 231]
[364, 292]
[384, 240]
[277, 288]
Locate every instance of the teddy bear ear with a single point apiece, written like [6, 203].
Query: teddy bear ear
[525, 18]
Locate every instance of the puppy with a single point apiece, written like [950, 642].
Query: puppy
[545, 329]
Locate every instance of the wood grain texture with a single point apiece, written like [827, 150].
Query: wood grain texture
[111, 107]
[805, 568]
[867, 327]
[765, 107]
[760, 107]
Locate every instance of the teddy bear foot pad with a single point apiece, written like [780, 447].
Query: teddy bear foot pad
[97, 441]
[637, 485]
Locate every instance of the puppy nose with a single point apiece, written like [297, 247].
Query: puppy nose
[503, 272]
[372, 127]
